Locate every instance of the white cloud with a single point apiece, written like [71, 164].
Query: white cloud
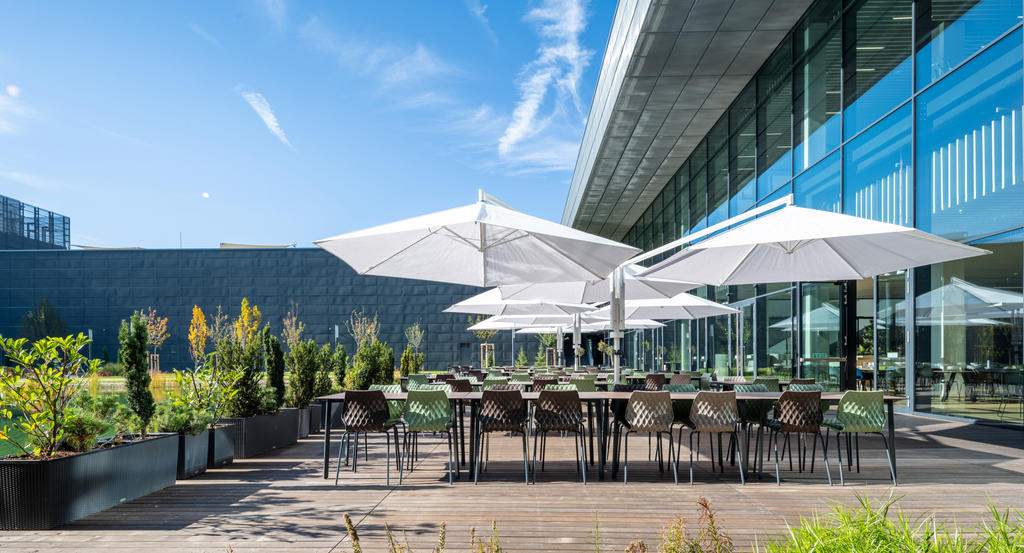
[479, 12]
[549, 82]
[206, 195]
[12, 90]
[261, 106]
[12, 110]
[195, 28]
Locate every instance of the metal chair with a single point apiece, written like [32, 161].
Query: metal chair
[429, 411]
[501, 411]
[680, 379]
[492, 381]
[651, 413]
[859, 413]
[714, 413]
[755, 411]
[800, 413]
[540, 383]
[559, 411]
[654, 382]
[367, 411]
[769, 382]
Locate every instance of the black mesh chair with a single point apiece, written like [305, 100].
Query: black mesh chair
[366, 411]
[559, 411]
[501, 411]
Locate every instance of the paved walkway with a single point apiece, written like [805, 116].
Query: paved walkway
[280, 502]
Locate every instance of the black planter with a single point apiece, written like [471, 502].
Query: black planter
[193, 454]
[316, 418]
[39, 495]
[257, 435]
[221, 450]
[303, 422]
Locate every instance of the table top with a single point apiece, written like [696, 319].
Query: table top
[597, 396]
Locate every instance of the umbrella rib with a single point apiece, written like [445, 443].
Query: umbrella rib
[736, 268]
[843, 259]
[401, 251]
[566, 256]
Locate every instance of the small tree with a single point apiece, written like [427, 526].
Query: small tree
[339, 364]
[521, 359]
[134, 339]
[208, 388]
[414, 336]
[323, 374]
[198, 333]
[362, 328]
[247, 325]
[275, 364]
[292, 326]
[156, 329]
[304, 364]
[408, 361]
[540, 359]
[42, 322]
[220, 328]
[373, 363]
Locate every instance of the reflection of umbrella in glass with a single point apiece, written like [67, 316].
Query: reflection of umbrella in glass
[959, 300]
[822, 319]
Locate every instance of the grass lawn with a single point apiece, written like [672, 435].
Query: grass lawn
[16, 433]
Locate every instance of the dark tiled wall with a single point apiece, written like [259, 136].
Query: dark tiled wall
[97, 289]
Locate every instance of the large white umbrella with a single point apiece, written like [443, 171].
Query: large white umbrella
[801, 244]
[490, 303]
[590, 291]
[482, 244]
[681, 306]
[520, 321]
[629, 324]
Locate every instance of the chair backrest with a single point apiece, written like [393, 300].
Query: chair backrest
[755, 387]
[801, 381]
[445, 387]
[502, 411]
[493, 381]
[460, 385]
[521, 377]
[862, 411]
[417, 378]
[428, 411]
[557, 410]
[540, 383]
[806, 387]
[680, 388]
[680, 379]
[654, 382]
[715, 412]
[396, 407]
[561, 387]
[366, 411]
[517, 386]
[650, 411]
[772, 383]
[476, 374]
[584, 384]
[799, 411]
[442, 377]
[734, 379]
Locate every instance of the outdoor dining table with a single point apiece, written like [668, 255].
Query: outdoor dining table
[602, 401]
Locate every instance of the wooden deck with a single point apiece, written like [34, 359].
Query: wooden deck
[280, 502]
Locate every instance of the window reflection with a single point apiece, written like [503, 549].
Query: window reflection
[816, 102]
[876, 61]
[949, 31]
[819, 188]
[877, 171]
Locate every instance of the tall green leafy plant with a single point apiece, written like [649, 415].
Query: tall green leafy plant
[275, 364]
[303, 364]
[42, 381]
[339, 364]
[323, 373]
[408, 361]
[249, 398]
[521, 359]
[134, 340]
[373, 363]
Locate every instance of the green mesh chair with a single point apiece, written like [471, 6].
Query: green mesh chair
[770, 383]
[584, 384]
[491, 381]
[429, 411]
[859, 413]
[415, 378]
[396, 407]
[681, 407]
[522, 377]
[561, 387]
[755, 411]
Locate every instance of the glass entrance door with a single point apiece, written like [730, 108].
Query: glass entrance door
[821, 352]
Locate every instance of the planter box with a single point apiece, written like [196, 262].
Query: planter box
[221, 450]
[193, 454]
[316, 418]
[257, 435]
[39, 495]
[303, 422]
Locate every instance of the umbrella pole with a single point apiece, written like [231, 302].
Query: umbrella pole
[576, 341]
[618, 309]
[559, 354]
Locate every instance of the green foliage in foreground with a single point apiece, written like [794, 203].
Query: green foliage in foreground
[865, 528]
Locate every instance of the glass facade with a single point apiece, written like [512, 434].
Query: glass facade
[26, 227]
[902, 111]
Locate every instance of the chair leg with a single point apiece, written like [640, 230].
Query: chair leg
[451, 458]
[575, 441]
[526, 468]
[743, 466]
[775, 437]
[543, 449]
[366, 449]
[824, 454]
[583, 453]
[387, 458]
[625, 458]
[721, 464]
[355, 450]
[839, 456]
[479, 450]
[892, 469]
[856, 441]
[342, 447]
[673, 461]
[691, 452]
[711, 450]
[814, 451]
[536, 438]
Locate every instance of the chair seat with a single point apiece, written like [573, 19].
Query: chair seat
[839, 426]
[435, 427]
[651, 428]
[500, 427]
[712, 427]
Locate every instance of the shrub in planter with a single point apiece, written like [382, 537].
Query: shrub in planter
[134, 339]
[193, 441]
[274, 357]
[339, 364]
[323, 375]
[304, 366]
[374, 363]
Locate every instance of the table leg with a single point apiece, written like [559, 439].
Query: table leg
[473, 447]
[327, 438]
[462, 431]
[891, 419]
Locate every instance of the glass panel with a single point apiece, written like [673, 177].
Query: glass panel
[777, 195]
[949, 31]
[816, 100]
[891, 331]
[969, 162]
[819, 338]
[718, 135]
[876, 61]
[815, 24]
[876, 168]
[968, 327]
[718, 188]
[819, 187]
[775, 333]
[864, 341]
[698, 188]
[742, 107]
[741, 169]
[720, 329]
[683, 209]
[774, 139]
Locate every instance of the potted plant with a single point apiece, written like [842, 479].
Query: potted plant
[64, 472]
[192, 428]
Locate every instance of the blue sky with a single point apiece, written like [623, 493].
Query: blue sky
[272, 121]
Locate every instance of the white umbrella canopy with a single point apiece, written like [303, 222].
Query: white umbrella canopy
[522, 321]
[481, 244]
[543, 330]
[490, 303]
[590, 291]
[630, 324]
[801, 244]
[681, 306]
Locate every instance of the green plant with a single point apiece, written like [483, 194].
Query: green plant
[274, 357]
[482, 335]
[414, 335]
[209, 387]
[540, 359]
[134, 339]
[407, 361]
[249, 398]
[82, 431]
[547, 340]
[303, 366]
[490, 358]
[172, 416]
[323, 374]
[41, 384]
[521, 359]
[42, 322]
[373, 363]
[339, 364]
[362, 328]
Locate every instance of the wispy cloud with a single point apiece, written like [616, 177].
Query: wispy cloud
[391, 65]
[28, 179]
[277, 13]
[197, 29]
[551, 81]
[261, 106]
[479, 12]
[12, 110]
